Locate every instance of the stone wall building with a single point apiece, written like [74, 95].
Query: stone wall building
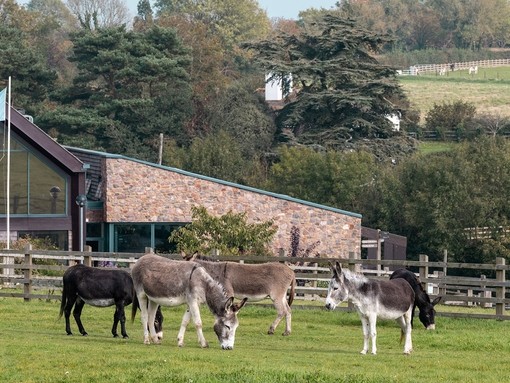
[134, 204]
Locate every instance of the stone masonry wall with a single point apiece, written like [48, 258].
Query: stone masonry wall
[139, 192]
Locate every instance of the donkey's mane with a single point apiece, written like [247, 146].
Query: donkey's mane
[353, 278]
[215, 293]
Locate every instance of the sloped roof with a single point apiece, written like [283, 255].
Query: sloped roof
[43, 143]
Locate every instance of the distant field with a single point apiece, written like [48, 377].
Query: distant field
[435, 146]
[489, 90]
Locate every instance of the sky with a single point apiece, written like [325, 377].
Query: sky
[288, 9]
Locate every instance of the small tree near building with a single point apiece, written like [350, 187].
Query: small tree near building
[230, 233]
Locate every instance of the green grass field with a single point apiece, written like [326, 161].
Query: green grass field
[324, 347]
[489, 90]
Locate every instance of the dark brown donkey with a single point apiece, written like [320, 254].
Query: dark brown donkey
[421, 298]
[100, 288]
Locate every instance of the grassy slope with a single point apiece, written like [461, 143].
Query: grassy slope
[324, 347]
[489, 90]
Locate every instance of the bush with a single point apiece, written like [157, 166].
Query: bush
[457, 116]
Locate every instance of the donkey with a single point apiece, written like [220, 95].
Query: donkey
[421, 298]
[101, 288]
[255, 282]
[161, 281]
[388, 299]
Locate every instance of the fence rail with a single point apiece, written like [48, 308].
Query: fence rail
[39, 275]
[444, 68]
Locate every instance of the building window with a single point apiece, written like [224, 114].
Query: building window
[136, 237]
[57, 238]
[36, 188]
[130, 238]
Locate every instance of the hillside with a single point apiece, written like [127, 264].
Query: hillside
[489, 90]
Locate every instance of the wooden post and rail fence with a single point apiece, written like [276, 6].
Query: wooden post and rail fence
[37, 274]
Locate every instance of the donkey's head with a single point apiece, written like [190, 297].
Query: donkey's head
[226, 323]
[337, 290]
[428, 313]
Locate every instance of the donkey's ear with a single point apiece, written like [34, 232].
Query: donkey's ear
[239, 306]
[228, 303]
[436, 301]
[338, 268]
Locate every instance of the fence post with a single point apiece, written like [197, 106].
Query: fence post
[87, 259]
[352, 261]
[445, 260]
[27, 285]
[500, 290]
[424, 269]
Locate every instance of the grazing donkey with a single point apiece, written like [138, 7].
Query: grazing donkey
[255, 282]
[421, 298]
[388, 299]
[101, 288]
[161, 281]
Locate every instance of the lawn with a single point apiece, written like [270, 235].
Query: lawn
[324, 347]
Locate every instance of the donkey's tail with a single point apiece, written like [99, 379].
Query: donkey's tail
[63, 301]
[292, 291]
[134, 306]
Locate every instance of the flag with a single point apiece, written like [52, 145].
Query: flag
[3, 93]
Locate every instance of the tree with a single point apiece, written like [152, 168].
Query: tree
[493, 124]
[230, 233]
[342, 92]
[329, 178]
[51, 37]
[244, 116]
[94, 14]
[31, 79]
[145, 17]
[233, 21]
[131, 86]
[434, 199]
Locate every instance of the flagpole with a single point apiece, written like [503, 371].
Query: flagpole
[8, 208]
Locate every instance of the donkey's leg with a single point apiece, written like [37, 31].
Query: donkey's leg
[281, 311]
[151, 317]
[67, 313]
[184, 324]
[288, 320]
[78, 307]
[406, 329]
[372, 320]
[119, 316]
[194, 310]
[365, 326]
[143, 302]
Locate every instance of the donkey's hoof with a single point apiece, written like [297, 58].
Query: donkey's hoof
[115, 335]
[84, 333]
[286, 333]
[125, 336]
